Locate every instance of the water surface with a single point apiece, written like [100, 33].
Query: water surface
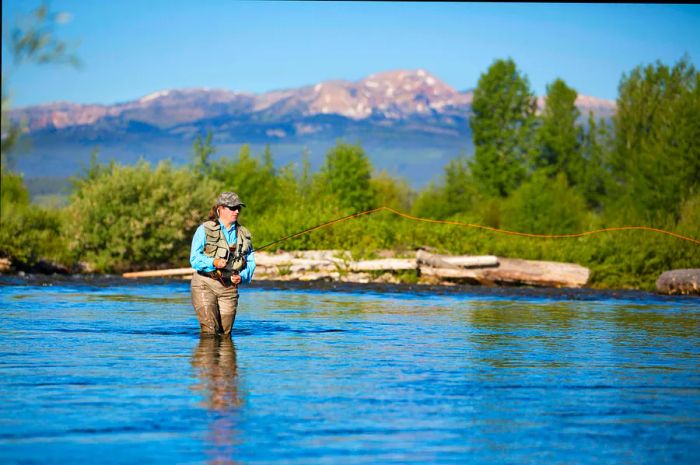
[116, 372]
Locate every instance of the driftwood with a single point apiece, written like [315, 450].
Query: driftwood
[473, 261]
[325, 261]
[159, 273]
[459, 262]
[510, 271]
[336, 266]
[385, 264]
[684, 281]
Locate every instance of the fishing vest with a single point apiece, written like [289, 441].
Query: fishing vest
[217, 247]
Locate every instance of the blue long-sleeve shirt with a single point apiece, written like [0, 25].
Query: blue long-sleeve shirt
[201, 262]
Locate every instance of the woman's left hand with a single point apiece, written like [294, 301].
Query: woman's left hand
[236, 279]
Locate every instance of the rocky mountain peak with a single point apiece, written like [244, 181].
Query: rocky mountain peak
[407, 81]
[170, 97]
[391, 95]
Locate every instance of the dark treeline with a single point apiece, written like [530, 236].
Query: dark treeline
[554, 171]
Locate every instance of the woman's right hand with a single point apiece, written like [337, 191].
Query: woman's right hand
[219, 263]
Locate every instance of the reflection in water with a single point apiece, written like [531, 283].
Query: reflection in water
[214, 360]
[517, 335]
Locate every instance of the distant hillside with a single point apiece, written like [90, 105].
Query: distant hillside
[409, 122]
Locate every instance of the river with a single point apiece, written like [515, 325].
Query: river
[111, 371]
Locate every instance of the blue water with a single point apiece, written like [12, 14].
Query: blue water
[95, 373]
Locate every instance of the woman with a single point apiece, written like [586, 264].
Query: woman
[222, 256]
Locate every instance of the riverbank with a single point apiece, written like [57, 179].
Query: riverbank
[423, 267]
[103, 281]
[332, 267]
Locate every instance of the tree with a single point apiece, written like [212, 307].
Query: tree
[203, 149]
[656, 158]
[392, 192]
[251, 177]
[455, 193]
[502, 127]
[32, 39]
[595, 180]
[346, 173]
[460, 191]
[559, 136]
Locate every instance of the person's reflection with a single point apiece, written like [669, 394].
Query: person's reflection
[214, 360]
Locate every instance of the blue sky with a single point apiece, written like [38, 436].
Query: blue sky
[132, 48]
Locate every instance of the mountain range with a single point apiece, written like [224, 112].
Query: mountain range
[410, 123]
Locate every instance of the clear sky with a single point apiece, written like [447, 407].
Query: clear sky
[130, 48]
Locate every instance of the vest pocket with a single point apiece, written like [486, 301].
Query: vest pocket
[221, 253]
[212, 236]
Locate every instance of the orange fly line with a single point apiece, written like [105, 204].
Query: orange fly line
[479, 226]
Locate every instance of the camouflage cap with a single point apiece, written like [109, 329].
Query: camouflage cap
[230, 199]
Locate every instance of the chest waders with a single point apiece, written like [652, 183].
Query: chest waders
[234, 254]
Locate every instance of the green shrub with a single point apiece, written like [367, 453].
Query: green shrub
[544, 206]
[28, 233]
[136, 217]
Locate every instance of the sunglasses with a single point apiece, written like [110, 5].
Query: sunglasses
[237, 208]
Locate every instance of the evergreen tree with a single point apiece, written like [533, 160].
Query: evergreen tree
[459, 186]
[305, 174]
[502, 127]
[559, 136]
[203, 149]
[595, 180]
[346, 173]
[656, 159]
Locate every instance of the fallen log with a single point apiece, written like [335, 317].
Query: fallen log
[325, 265]
[318, 260]
[510, 271]
[385, 264]
[266, 259]
[683, 281]
[536, 272]
[299, 261]
[473, 261]
[461, 261]
[431, 260]
[159, 273]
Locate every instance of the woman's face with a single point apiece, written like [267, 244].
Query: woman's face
[228, 215]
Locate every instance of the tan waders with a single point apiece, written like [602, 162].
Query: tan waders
[214, 303]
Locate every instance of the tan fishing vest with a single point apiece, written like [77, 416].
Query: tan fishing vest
[217, 247]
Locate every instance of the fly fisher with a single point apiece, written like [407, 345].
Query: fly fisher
[222, 257]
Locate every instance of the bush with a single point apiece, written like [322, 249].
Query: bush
[545, 206]
[28, 233]
[136, 217]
